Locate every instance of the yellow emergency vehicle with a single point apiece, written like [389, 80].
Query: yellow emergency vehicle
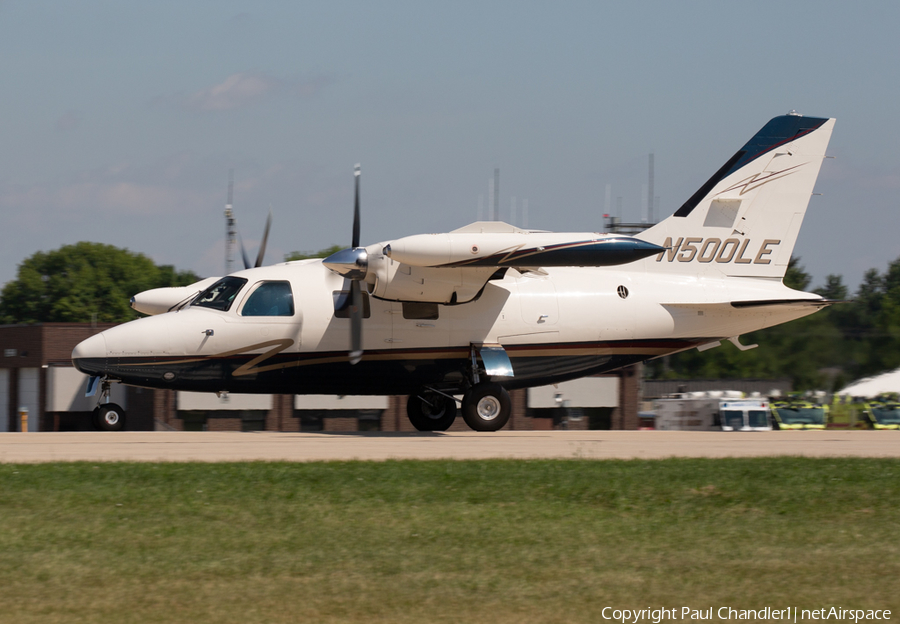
[883, 412]
[797, 413]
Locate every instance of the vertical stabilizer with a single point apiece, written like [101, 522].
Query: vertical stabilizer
[744, 221]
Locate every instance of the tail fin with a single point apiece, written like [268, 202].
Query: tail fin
[744, 221]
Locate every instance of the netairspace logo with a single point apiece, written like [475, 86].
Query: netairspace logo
[790, 614]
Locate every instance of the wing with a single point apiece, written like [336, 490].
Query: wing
[453, 267]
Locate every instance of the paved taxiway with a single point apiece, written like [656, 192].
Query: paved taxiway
[266, 446]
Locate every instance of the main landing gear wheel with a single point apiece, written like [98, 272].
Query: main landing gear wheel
[486, 407]
[109, 417]
[430, 411]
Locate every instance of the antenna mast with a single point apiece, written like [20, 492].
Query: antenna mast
[230, 225]
[496, 214]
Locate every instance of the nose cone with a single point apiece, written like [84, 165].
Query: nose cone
[89, 356]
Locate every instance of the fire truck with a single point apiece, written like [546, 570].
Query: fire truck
[796, 413]
[883, 412]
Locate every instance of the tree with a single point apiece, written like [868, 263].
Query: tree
[83, 282]
[322, 253]
[796, 276]
[833, 289]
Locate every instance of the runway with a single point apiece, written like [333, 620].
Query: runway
[276, 446]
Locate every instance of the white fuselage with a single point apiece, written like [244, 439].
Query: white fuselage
[560, 324]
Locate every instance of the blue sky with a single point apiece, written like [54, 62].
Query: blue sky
[120, 121]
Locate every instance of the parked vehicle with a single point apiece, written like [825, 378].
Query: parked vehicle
[712, 411]
[883, 412]
[797, 413]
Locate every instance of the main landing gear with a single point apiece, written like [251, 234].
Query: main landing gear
[107, 416]
[430, 411]
[486, 405]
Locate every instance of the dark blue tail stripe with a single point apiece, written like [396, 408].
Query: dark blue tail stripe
[777, 132]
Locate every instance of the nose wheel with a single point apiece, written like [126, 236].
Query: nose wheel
[107, 416]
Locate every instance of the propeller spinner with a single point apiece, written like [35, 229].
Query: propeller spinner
[353, 264]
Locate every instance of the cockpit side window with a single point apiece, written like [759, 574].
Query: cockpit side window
[270, 299]
[220, 295]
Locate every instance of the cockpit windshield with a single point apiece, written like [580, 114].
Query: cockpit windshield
[220, 295]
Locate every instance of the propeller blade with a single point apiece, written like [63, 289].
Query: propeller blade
[244, 252]
[356, 312]
[343, 301]
[356, 210]
[265, 238]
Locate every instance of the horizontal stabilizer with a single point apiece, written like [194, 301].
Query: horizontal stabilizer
[756, 303]
[818, 303]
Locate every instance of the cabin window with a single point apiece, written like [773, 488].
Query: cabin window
[342, 304]
[421, 311]
[220, 295]
[270, 299]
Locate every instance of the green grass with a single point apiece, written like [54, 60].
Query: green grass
[443, 541]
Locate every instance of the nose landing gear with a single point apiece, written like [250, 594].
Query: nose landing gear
[107, 416]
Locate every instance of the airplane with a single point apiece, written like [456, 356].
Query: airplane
[486, 308]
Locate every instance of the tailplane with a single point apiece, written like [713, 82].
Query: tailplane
[744, 221]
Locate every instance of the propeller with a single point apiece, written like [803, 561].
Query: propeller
[262, 245]
[265, 239]
[244, 252]
[353, 264]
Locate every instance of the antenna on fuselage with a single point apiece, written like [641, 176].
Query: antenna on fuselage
[230, 225]
[650, 194]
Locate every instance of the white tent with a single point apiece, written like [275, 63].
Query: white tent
[873, 386]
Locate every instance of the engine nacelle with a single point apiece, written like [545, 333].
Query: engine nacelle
[480, 246]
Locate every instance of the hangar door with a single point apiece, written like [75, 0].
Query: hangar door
[29, 395]
[4, 399]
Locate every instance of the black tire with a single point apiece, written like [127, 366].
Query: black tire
[486, 407]
[110, 417]
[95, 420]
[430, 411]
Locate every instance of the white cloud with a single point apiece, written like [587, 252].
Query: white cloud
[247, 88]
[236, 91]
[69, 121]
[111, 192]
